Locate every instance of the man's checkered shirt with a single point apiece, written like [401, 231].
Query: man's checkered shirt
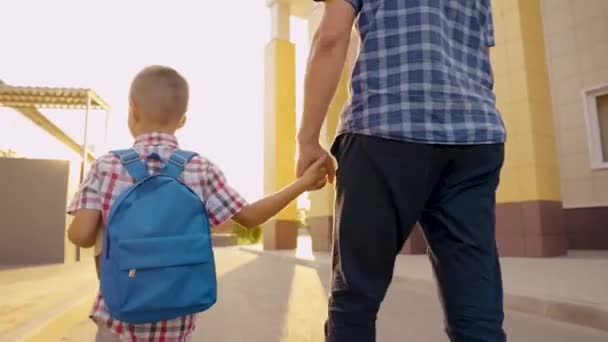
[423, 73]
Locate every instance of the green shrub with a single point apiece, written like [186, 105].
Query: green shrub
[247, 236]
[303, 218]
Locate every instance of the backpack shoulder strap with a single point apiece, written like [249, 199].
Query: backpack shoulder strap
[177, 162]
[133, 163]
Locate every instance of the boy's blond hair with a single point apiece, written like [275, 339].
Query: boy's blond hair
[160, 94]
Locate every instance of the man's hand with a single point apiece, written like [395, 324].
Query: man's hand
[308, 154]
[315, 176]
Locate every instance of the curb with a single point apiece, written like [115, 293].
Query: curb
[562, 311]
[573, 313]
[54, 326]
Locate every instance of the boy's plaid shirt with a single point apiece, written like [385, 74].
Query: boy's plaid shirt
[108, 178]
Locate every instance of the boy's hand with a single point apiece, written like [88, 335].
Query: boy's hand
[315, 176]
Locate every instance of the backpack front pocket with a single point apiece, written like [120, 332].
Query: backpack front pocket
[166, 274]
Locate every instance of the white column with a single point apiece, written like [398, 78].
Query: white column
[280, 19]
[314, 20]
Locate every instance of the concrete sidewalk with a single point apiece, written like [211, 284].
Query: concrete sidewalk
[572, 289]
[51, 303]
[35, 298]
[268, 298]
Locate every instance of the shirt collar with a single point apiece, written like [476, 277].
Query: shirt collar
[156, 139]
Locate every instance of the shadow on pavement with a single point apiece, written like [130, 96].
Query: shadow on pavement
[252, 303]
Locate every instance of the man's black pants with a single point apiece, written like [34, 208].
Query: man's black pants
[383, 188]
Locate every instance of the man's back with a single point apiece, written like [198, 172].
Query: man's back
[423, 74]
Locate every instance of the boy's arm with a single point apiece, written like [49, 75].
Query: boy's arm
[315, 177]
[223, 202]
[261, 211]
[84, 227]
[86, 209]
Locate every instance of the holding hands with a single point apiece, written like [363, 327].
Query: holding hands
[314, 167]
[315, 175]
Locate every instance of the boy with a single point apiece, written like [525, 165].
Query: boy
[157, 107]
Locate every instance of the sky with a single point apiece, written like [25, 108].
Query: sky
[219, 47]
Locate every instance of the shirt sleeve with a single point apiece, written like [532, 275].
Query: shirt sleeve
[89, 193]
[488, 29]
[221, 200]
[355, 3]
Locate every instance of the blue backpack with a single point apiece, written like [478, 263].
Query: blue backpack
[157, 261]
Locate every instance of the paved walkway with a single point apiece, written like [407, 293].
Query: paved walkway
[29, 296]
[569, 279]
[570, 289]
[265, 298]
[274, 297]
[579, 278]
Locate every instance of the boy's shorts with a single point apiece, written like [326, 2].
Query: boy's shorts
[104, 334]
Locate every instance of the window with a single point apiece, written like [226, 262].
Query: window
[596, 108]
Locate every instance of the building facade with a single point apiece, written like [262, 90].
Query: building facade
[551, 82]
[576, 41]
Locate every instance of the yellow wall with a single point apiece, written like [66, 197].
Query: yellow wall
[280, 121]
[523, 97]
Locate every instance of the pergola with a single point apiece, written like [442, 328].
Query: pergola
[29, 100]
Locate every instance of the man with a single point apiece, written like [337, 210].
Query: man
[420, 140]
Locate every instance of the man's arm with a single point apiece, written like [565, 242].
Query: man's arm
[83, 229]
[325, 63]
